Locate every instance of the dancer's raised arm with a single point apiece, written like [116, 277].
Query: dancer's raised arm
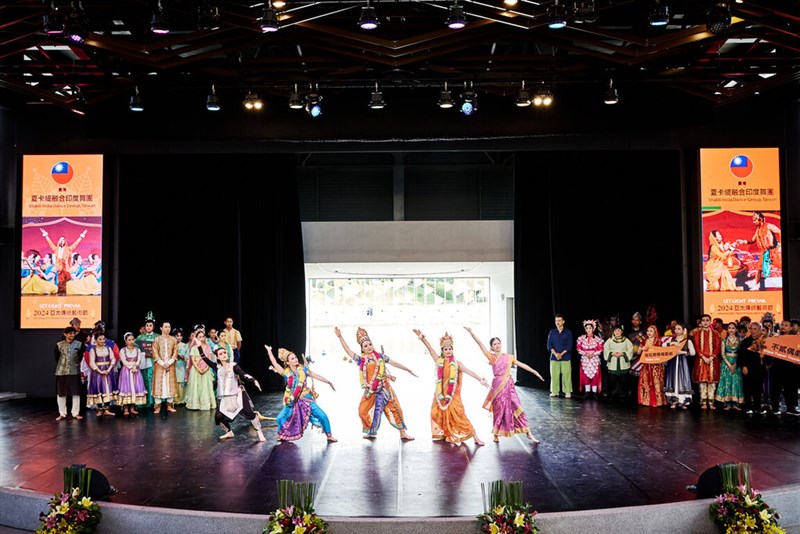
[399, 365]
[322, 379]
[428, 346]
[478, 341]
[275, 365]
[528, 368]
[338, 332]
[473, 374]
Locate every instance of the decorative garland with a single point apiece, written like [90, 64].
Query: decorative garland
[443, 398]
[374, 383]
[292, 392]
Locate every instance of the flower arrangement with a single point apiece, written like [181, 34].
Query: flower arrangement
[740, 508]
[504, 509]
[295, 513]
[71, 511]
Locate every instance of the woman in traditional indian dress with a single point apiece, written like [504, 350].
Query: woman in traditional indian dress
[678, 384]
[180, 365]
[590, 347]
[730, 390]
[502, 400]
[448, 420]
[200, 385]
[717, 274]
[84, 280]
[131, 383]
[42, 278]
[103, 388]
[299, 400]
[378, 398]
[651, 379]
[233, 399]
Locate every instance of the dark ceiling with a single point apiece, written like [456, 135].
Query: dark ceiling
[320, 43]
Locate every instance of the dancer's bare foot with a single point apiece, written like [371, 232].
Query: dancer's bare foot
[227, 435]
[496, 438]
[134, 412]
[77, 417]
[532, 439]
[331, 439]
[61, 417]
[260, 436]
[478, 442]
[157, 409]
[405, 436]
[369, 436]
[171, 409]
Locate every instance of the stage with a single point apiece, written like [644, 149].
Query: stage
[592, 455]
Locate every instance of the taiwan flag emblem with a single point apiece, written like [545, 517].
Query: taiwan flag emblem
[62, 172]
[741, 166]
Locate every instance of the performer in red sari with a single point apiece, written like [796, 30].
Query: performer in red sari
[378, 398]
[706, 370]
[448, 420]
[651, 379]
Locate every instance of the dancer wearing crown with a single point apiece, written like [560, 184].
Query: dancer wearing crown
[299, 406]
[379, 397]
[448, 420]
[503, 401]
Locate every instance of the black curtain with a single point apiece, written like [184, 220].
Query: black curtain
[203, 237]
[596, 234]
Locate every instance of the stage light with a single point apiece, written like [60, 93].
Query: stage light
[295, 102]
[376, 101]
[469, 100]
[160, 22]
[523, 99]
[278, 4]
[586, 13]
[368, 19]
[252, 102]
[269, 20]
[445, 98]
[137, 102]
[212, 100]
[659, 14]
[611, 97]
[456, 19]
[556, 16]
[510, 3]
[207, 17]
[79, 103]
[53, 22]
[313, 102]
[75, 24]
[543, 97]
[718, 18]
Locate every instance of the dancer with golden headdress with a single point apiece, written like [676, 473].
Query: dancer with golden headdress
[379, 397]
[299, 406]
[448, 420]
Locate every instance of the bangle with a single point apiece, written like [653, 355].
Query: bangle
[420, 337]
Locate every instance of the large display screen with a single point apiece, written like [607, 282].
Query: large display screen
[61, 264]
[742, 259]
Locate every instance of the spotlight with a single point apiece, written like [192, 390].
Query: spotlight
[368, 19]
[469, 100]
[295, 102]
[510, 3]
[212, 100]
[523, 99]
[456, 19]
[719, 18]
[376, 101]
[79, 103]
[53, 22]
[659, 14]
[207, 17]
[279, 4]
[586, 13]
[75, 24]
[612, 97]
[543, 97]
[313, 99]
[252, 102]
[269, 20]
[137, 102]
[160, 23]
[445, 98]
[557, 16]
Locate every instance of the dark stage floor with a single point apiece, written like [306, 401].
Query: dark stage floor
[592, 455]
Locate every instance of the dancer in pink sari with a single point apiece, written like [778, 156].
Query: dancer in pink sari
[507, 414]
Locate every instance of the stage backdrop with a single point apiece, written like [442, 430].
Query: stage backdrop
[599, 235]
[196, 253]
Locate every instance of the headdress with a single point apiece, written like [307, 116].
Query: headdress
[590, 322]
[126, 334]
[768, 317]
[446, 339]
[637, 315]
[283, 354]
[100, 324]
[149, 317]
[361, 335]
[199, 326]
